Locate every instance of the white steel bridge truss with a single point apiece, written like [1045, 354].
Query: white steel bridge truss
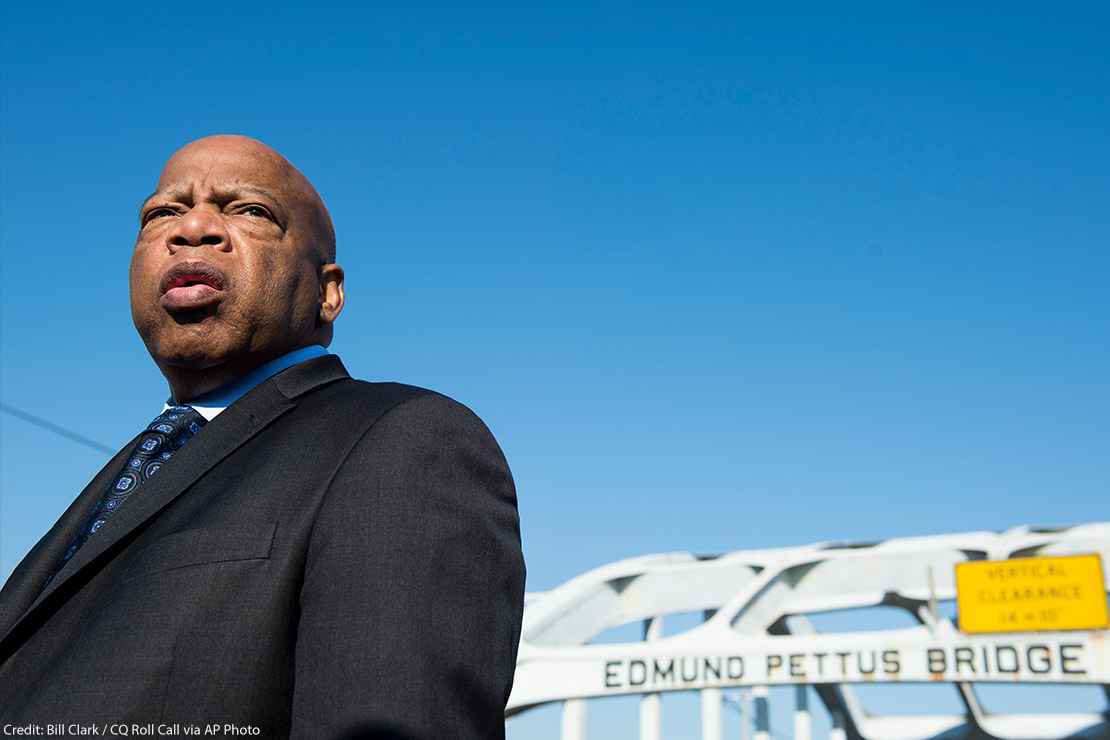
[756, 633]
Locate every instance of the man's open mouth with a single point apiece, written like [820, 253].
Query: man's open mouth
[191, 285]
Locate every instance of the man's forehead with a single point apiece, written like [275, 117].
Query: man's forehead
[218, 184]
[216, 165]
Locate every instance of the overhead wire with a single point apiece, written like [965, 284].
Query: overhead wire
[55, 428]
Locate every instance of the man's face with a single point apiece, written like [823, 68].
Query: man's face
[226, 264]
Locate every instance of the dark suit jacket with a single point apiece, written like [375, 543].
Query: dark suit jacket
[326, 558]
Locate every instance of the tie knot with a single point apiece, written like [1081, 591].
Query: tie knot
[177, 421]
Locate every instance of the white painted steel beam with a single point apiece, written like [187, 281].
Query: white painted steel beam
[574, 719]
[803, 725]
[711, 703]
[761, 703]
[651, 705]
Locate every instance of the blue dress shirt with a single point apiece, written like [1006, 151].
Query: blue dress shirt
[212, 403]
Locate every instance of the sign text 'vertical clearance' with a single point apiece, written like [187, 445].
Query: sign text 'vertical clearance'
[1031, 594]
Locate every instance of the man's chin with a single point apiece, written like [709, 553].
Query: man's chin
[189, 349]
[190, 360]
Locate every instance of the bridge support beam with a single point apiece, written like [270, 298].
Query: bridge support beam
[651, 705]
[762, 713]
[574, 719]
[711, 714]
[803, 724]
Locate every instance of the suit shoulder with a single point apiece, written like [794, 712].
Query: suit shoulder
[401, 403]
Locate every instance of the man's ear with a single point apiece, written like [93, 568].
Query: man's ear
[331, 293]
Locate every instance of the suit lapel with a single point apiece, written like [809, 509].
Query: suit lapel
[218, 439]
[25, 582]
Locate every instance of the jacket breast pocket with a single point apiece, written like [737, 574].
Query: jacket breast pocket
[200, 546]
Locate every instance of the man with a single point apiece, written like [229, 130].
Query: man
[284, 550]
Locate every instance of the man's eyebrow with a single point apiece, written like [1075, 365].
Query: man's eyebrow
[170, 193]
[144, 201]
[226, 192]
[147, 199]
[234, 190]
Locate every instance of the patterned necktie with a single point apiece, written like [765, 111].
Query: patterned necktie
[168, 433]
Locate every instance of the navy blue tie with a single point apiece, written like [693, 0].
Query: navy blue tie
[168, 433]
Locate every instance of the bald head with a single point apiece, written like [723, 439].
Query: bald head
[234, 264]
[262, 164]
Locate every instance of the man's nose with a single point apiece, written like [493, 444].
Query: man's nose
[199, 227]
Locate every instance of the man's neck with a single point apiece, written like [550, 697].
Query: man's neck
[212, 404]
[188, 384]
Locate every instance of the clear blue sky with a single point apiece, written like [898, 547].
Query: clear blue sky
[716, 278]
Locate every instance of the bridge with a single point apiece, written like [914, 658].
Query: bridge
[1024, 606]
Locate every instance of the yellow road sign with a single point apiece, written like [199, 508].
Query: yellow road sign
[1032, 594]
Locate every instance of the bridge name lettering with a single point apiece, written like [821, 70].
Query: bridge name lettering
[997, 660]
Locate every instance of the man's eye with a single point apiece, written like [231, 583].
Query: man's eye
[158, 213]
[256, 211]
